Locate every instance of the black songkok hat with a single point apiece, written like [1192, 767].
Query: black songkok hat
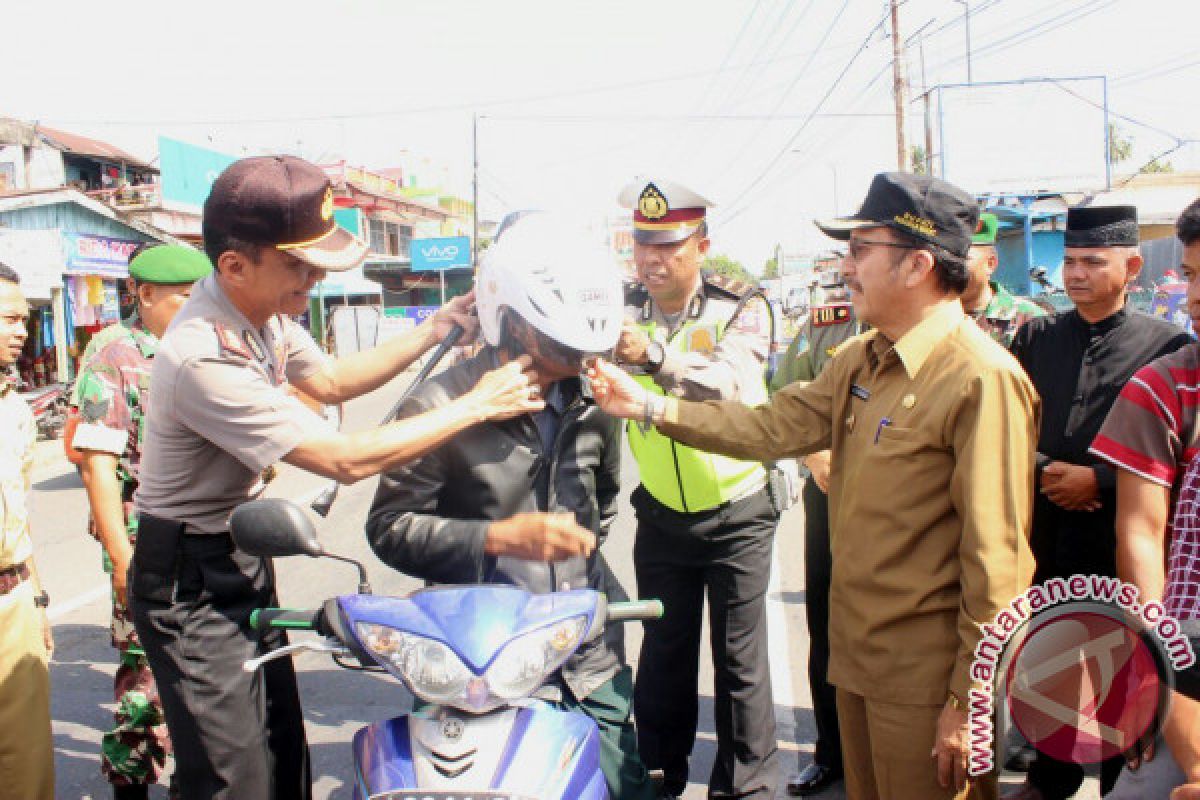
[1101, 226]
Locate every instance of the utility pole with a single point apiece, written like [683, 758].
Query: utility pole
[966, 4]
[928, 119]
[898, 88]
[475, 191]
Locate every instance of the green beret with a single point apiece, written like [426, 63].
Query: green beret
[985, 231]
[169, 263]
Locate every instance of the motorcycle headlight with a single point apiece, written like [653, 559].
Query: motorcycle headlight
[525, 662]
[432, 670]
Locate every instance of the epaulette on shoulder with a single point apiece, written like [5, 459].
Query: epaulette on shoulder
[833, 314]
[230, 343]
[728, 287]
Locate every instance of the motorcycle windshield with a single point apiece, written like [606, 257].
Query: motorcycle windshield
[473, 621]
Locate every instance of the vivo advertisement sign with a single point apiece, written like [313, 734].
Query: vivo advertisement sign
[188, 173]
[451, 252]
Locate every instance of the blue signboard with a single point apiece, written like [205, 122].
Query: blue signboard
[415, 313]
[188, 172]
[97, 255]
[431, 255]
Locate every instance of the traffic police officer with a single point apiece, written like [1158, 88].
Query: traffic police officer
[932, 427]
[220, 417]
[705, 522]
[998, 312]
[828, 326]
[113, 398]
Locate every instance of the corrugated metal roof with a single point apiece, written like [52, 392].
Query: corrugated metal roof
[82, 145]
[47, 197]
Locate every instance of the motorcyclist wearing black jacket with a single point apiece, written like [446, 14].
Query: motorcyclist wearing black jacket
[475, 510]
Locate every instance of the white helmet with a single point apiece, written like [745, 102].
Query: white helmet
[557, 278]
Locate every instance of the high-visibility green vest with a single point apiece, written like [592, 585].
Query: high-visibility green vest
[680, 477]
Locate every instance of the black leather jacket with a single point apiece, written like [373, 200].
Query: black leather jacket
[430, 517]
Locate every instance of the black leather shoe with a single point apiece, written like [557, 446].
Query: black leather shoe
[138, 791]
[813, 779]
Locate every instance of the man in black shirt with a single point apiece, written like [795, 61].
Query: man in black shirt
[1079, 360]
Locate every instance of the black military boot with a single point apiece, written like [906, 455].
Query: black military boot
[136, 791]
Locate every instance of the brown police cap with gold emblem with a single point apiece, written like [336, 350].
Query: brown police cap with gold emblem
[282, 202]
[664, 212]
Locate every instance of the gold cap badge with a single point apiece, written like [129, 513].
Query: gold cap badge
[652, 204]
[327, 205]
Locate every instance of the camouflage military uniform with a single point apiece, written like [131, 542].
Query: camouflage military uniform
[1005, 314]
[117, 330]
[112, 405]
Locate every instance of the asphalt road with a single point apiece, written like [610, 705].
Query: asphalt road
[338, 702]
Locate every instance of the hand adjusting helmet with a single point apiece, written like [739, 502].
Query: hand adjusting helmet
[558, 278]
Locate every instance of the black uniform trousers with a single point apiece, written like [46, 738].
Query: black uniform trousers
[1067, 543]
[818, 573]
[235, 734]
[679, 557]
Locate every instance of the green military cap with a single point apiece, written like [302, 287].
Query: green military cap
[169, 263]
[985, 231]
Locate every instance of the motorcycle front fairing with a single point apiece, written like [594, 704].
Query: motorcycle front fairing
[531, 753]
[477, 745]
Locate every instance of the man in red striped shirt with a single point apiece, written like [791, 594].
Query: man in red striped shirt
[1151, 437]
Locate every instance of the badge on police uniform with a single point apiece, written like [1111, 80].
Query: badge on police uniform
[701, 339]
[824, 316]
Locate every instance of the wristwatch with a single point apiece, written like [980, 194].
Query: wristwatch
[654, 357]
[42, 600]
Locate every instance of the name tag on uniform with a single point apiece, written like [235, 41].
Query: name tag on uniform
[860, 392]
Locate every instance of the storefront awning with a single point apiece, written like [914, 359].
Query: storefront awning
[350, 282]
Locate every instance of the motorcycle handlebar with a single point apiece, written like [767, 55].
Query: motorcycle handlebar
[635, 609]
[310, 620]
[292, 619]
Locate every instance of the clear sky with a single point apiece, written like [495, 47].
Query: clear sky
[575, 97]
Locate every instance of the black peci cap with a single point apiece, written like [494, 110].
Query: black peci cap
[1101, 226]
[926, 208]
[282, 202]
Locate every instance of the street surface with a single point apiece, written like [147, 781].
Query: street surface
[337, 702]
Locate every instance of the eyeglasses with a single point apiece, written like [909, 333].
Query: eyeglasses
[857, 248]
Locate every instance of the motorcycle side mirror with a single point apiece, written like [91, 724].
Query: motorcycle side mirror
[274, 527]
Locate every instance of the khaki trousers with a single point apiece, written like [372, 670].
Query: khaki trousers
[886, 752]
[26, 746]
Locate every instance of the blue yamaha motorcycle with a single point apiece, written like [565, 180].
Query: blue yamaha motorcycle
[474, 654]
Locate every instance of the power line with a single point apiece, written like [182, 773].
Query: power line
[674, 117]
[708, 88]
[429, 109]
[745, 80]
[791, 86]
[1179, 144]
[1160, 74]
[734, 214]
[1034, 31]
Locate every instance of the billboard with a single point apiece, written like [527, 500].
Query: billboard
[1042, 134]
[452, 252]
[188, 173]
